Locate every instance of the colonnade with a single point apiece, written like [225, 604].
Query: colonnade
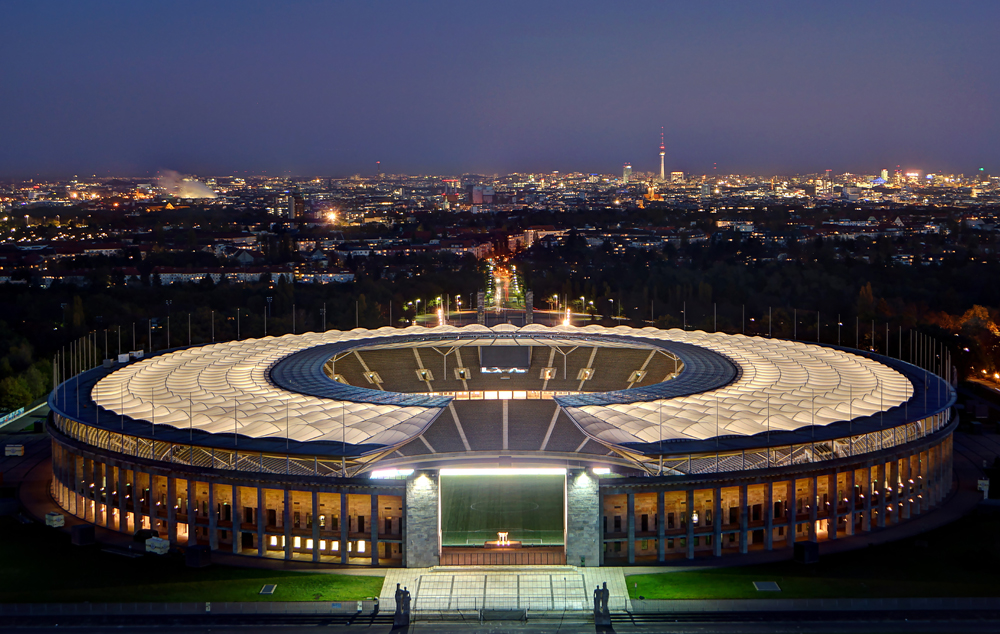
[353, 521]
[656, 519]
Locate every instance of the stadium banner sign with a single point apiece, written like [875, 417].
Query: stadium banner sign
[9, 417]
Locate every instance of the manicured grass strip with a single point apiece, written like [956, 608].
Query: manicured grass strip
[958, 560]
[38, 564]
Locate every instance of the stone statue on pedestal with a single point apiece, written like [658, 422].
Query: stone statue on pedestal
[401, 618]
[602, 616]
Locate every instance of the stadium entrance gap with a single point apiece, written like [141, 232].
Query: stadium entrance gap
[479, 505]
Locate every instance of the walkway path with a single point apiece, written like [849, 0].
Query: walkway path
[533, 588]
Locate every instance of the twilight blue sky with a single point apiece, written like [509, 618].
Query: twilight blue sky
[329, 87]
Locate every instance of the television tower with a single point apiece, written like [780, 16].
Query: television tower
[662, 154]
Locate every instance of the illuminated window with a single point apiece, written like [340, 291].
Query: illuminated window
[274, 540]
[335, 546]
[322, 544]
[297, 542]
[361, 547]
[309, 544]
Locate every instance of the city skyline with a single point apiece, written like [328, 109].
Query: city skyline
[332, 88]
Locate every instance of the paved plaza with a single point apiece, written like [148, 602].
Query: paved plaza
[533, 588]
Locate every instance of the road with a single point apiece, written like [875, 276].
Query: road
[36, 446]
[705, 624]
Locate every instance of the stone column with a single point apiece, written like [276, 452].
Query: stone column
[237, 521]
[661, 527]
[261, 517]
[850, 494]
[77, 482]
[192, 512]
[172, 510]
[57, 474]
[286, 520]
[213, 519]
[345, 524]
[926, 480]
[907, 486]
[744, 520]
[583, 518]
[105, 493]
[717, 521]
[603, 525]
[630, 525]
[880, 488]
[813, 508]
[894, 487]
[122, 501]
[89, 487]
[315, 525]
[949, 465]
[866, 521]
[64, 477]
[793, 511]
[423, 548]
[769, 515]
[833, 512]
[136, 500]
[97, 492]
[374, 528]
[939, 483]
[690, 524]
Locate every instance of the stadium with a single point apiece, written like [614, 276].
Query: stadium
[511, 445]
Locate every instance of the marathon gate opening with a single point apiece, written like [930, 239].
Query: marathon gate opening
[526, 504]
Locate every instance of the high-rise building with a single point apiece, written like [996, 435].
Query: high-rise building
[295, 207]
[627, 172]
[676, 177]
[663, 153]
[885, 175]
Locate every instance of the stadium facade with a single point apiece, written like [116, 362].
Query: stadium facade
[338, 447]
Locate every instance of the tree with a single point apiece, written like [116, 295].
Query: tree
[866, 302]
[14, 393]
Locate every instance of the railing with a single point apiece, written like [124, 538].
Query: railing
[193, 455]
[246, 607]
[788, 455]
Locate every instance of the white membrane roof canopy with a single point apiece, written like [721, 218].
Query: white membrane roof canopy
[784, 386]
[223, 387]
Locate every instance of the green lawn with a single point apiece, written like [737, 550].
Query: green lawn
[958, 560]
[38, 564]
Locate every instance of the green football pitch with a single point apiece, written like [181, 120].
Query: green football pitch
[474, 508]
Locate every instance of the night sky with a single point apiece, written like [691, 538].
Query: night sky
[328, 88]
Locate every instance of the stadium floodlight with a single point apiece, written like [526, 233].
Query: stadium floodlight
[387, 474]
[601, 470]
[506, 471]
